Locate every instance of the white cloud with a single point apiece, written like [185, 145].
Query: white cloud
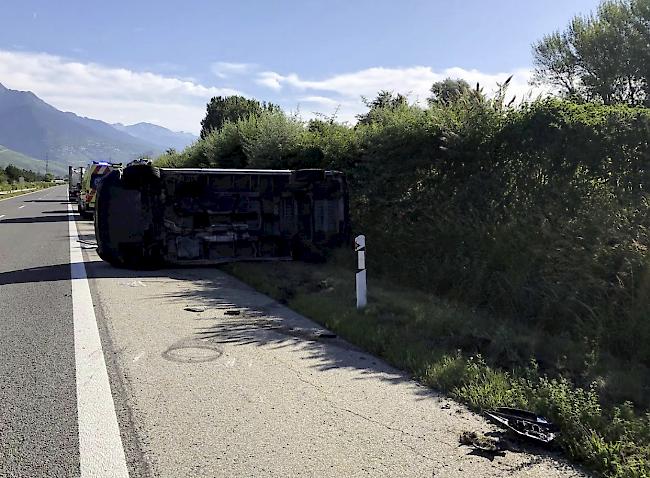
[270, 79]
[344, 91]
[109, 94]
[127, 96]
[319, 100]
[224, 69]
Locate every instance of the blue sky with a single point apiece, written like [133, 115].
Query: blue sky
[164, 59]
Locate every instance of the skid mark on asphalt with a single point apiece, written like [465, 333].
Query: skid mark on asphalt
[101, 452]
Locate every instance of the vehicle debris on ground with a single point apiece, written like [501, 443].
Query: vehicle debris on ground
[194, 309]
[525, 424]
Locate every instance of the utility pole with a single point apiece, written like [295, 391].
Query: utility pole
[47, 164]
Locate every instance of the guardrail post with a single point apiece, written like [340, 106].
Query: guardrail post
[360, 247]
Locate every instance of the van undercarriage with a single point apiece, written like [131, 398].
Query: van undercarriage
[146, 216]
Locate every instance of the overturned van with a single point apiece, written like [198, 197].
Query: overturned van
[146, 216]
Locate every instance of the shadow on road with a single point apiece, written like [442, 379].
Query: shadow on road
[60, 201]
[37, 219]
[248, 317]
[56, 272]
[259, 320]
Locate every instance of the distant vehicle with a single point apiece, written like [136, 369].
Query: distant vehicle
[91, 178]
[75, 175]
[211, 216]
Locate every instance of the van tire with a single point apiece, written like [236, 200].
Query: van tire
[140, 175]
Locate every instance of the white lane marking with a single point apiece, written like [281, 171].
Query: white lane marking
[2, 215]
[20, 207]
[100, 446]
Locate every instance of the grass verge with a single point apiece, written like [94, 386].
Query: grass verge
[477, 359]
[9, 192]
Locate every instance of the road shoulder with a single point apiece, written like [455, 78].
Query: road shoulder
[243, 386]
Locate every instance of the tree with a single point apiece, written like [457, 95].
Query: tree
[447, 91]
[386, 100]
[602, 56]
[13, 173]
[231, 108]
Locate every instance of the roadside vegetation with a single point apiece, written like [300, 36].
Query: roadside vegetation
[11, 185]
[507, 240]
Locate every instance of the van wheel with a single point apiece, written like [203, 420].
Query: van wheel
[140, 175]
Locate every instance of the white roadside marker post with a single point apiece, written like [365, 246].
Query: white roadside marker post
[360, 247]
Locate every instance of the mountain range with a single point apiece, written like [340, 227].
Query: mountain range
[32, 130]
[158, 135]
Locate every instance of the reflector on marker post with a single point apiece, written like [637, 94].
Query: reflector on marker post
[360, 247]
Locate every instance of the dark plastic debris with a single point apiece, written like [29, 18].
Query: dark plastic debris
[524, 423]
[195, 309]
[313, 334]
[485, 446]
[479, 441]
[232, 312]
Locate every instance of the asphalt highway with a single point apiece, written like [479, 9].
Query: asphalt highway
[38, 412]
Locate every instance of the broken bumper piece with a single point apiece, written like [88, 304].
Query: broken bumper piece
[525, 424]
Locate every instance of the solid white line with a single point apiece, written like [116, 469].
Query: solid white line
[100, 446]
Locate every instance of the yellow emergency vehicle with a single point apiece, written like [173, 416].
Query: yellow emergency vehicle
[91, 178]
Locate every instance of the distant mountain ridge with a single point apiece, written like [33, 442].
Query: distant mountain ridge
[158, 135]
[30, 126]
